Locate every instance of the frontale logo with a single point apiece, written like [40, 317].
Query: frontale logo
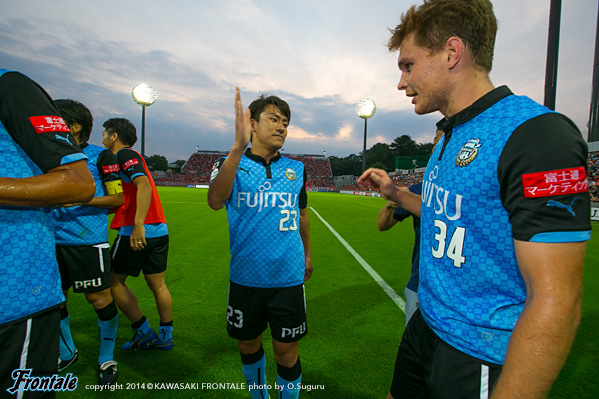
[25, 382]
[290, 174]
[468, 152]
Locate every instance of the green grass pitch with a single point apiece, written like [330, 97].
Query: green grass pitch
[354, 327]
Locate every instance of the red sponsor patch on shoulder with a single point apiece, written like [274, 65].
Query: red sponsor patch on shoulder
[47, 124]
[110, 168]
[130, 163]
[555, 182]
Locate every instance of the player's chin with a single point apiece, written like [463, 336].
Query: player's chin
[420, 110]
[277, 146]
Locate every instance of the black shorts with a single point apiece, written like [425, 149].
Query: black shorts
[85, 268]
[427, 367]
[30, 344]
[250, 309]
[151, 259]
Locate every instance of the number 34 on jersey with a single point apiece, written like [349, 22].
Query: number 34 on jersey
[450, 244]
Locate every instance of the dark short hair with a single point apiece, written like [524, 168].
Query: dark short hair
[75, 112]
[258, 105]
[435, 21]
[124, 128]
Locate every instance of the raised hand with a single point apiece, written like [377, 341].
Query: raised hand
[243, 127]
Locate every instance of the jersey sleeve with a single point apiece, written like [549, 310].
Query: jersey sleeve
[543, 183]
[130, 163]
[216, 168]
[32, 120]
[108, 166]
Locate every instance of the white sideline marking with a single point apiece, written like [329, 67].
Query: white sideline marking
[379, 280]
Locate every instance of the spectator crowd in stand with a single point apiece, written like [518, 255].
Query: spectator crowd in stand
[198, 167]
[402, 180]
[320, 175]
[593, 175]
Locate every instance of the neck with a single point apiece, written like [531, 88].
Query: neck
[265, 153]
[116, 147]
[466, 91]
[77, 137]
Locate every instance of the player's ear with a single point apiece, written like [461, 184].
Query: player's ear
[114, 136]
[454, 48]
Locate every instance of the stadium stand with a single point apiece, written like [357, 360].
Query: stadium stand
[593, 175]
[400, 179]
[198, 167]
[318, 169]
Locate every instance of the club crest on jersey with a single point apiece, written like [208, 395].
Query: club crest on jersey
[290, 174]
[468, 152]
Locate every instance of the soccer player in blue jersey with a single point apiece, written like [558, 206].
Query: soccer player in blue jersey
[82, 245]
[40, 166]
[265, 197]
[142, 242]
[505, 217]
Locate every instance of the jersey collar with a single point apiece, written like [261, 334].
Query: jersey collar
[478, 107]
[258, 158]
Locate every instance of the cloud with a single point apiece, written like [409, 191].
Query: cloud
[322, 57]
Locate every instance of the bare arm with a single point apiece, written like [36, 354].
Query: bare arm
[63, 184]
[384, 185]
[221, 187]
[114, 199]
[107, 201]
[143, 200]
[545, 330]
[385, 220]
[305, 234]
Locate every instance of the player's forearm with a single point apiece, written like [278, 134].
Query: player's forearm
[64, 184]
[107, 201]
[538, 348]
[407, 200]
[385, 218]
[305, 232]
[222, 185]
[142, 200]
[305, 235]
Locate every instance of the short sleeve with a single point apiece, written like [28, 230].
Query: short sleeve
[130, 163]
[108, 166]
[542, 175]
[32, 120]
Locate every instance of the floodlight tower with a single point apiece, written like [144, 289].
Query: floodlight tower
[145, 96]
[365, 110]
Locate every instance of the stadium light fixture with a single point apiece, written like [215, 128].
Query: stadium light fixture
[145, 96]
[365, 110]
